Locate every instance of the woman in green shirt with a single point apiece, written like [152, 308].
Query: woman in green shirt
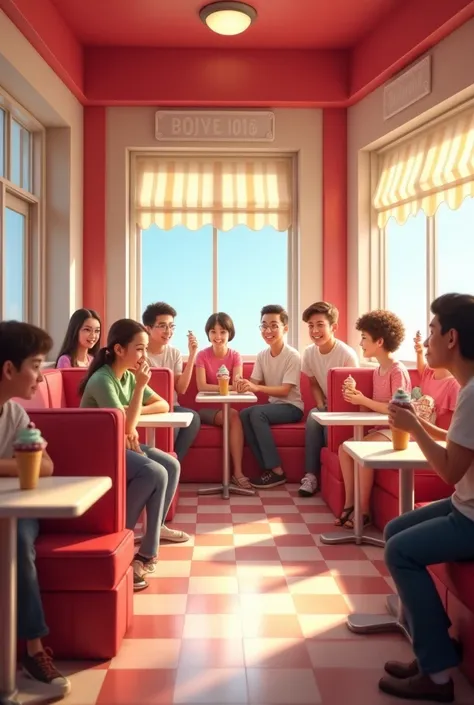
[152, 474]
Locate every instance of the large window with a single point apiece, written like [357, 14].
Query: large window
[207, 270]
[213, 235]
[424, 258]
[20, 232]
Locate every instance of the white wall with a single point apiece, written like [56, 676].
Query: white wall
[298, 131]
[452, 84]
[33, 84]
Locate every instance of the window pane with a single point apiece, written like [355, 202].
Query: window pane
[20, 159]
[455, 252]
[406, 264]
[176, 267]
[14, 266]
[2, 143]
[243, 290]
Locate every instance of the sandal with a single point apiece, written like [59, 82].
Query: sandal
[345, 516]
[242, 482]
[365, 522]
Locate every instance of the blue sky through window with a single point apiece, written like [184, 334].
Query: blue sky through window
[177, 267]
[14, 265]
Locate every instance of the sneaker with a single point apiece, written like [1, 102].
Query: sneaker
[268, 479]
[41, 668]
[139, 582]
[173, 535]
[309, 485]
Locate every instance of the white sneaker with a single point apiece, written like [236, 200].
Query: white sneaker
[309, 485]
[173, 535]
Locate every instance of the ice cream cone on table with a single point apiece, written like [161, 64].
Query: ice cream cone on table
[28, 447]
[400, 439]
[223, 377]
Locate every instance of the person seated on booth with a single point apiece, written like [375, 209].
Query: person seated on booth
[277, 372]
[158, 320]
[23, 348]
[443, 531]
[152, 475]
[82, 340]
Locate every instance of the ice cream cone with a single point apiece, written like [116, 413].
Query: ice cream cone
[29, 464]
[223, 386]
[400, 439]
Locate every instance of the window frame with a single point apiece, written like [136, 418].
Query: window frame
[134, 239]
[32, 205]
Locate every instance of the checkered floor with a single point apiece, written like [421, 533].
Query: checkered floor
[251, 611]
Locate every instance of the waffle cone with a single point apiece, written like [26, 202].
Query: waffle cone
[400, 439]
[28, 463]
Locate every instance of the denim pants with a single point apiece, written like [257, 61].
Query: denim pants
[152, 480]
[31, 622]
[256, 422]
[437, 533]
[315, 437]
[184, 437]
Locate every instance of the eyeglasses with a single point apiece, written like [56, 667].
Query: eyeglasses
[165, 326]
[272, 326]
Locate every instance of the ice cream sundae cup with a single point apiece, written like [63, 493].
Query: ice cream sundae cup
[400, 439]
[28, 447]
[223, 377]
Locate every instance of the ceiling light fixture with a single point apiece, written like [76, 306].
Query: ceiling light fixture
[228, 18]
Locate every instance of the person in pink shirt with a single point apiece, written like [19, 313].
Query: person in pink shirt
[382, 333]
[220, 331]
[82, 340]
[437, 385]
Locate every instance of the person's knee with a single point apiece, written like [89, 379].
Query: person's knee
[391, 529]
[245, 414]
[234, 417]
[258, 414]
[196, 421]
[394, 550]
[156, 475]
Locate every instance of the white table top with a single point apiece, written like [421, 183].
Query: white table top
[55, 497]
[172, 419]
[231, 398]
[350, 418]
[381, 455]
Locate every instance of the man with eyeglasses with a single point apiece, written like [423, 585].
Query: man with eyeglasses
[158, 319]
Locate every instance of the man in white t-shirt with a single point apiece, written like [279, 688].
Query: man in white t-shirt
[277, 372]
[158, 319]
[23, 348]
[441, 532]
[325, 353]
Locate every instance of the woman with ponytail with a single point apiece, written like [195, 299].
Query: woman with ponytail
[152, 475]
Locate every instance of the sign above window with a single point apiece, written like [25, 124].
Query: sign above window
[214, 126]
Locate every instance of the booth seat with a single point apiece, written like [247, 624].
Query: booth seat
[455, 585]
[84, 564]
[385, 494]
[203, 463]
[60, 389]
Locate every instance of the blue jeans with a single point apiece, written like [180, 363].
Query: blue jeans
[31, 622]
[256, 421]
[315, 439]
[152, 480]
[437, 533]
[184, 437]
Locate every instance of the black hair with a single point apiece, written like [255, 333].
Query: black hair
[122, 332]
[456, 312]
[223, 320]
[158, 309]
[19, 341]
[71, 339]
[275, 308]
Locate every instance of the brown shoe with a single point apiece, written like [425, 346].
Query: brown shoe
[402, 670]
[419, 687]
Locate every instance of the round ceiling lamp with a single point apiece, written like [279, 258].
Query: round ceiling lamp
[228, 18]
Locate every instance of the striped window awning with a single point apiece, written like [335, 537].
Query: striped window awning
[437, 166]
[220, 191]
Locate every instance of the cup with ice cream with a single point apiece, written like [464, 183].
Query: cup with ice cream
[400, 439]
[223, 377]
[28, 447]
[349, 384]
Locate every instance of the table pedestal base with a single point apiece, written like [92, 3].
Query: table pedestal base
[226, 491]
[380, 623]
[335, 537]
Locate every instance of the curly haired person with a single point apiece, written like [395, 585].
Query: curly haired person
[381, 334]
